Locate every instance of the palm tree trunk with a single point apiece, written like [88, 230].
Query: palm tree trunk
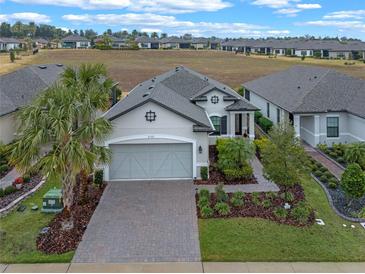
[68, 194]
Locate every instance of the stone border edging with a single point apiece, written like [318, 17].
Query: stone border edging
[329, 158]
[7, 209]
[329, 198]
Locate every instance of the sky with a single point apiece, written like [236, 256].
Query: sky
[221, 18]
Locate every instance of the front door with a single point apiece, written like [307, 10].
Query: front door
[238, 124]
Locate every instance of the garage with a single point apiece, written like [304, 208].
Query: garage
[151, 161]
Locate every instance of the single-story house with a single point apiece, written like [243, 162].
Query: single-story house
[75, 41]
[115, 42]
[199, 43]
[18, 89]
[324, 105]
[145, 42]
[163, 128]
[41, 43]
[7, 43]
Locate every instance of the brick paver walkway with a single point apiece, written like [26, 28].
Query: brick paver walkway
[329, 164]
[143, 221]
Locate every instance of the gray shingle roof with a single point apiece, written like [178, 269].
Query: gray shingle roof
[308, 89]
[20, 87]
[75, 38]
[8, 40]
[241, 105]
[173, 90]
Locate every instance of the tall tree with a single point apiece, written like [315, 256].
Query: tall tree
[5, 30]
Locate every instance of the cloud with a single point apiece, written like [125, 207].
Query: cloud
[308, 6]
[25, 16]
[358, 25]
[347, 14]
[158, 6]
[272, 3]
[172, 25]
[150, 30]
[288, 11]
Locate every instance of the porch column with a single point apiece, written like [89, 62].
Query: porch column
[316, 129]
[232, 124]
[252, 124]
[297, 125]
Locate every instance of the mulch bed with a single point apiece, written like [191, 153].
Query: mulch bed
[249, 209]
[216, 176]
[6, 200]
[59, 240]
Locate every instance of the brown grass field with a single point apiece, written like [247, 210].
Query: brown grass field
[131, 67]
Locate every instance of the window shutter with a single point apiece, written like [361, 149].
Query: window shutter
[224, 125]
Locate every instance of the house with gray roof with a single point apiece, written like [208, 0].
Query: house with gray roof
[114, 42]
[324, 105]
[163, 128]
[75, 41]
[7, 43]
[145, 42]
[18, 89]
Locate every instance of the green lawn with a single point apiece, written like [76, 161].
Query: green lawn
[22, 228]
[251, 239]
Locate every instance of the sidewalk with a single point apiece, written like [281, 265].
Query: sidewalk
[208, 267]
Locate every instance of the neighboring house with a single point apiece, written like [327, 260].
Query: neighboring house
[172, 43]
[75, 41]
[215, 43]
[325, 106]
[7, 44]
[41, 43]
[199, 43]
[115, 42]
[163, 128]
[19, 88]
[144, 42]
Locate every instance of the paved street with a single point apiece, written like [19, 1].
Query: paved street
[143, 221]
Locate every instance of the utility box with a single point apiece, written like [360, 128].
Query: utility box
[52, 201]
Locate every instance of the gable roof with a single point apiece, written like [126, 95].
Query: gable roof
[309, 89]
[9, 40]
[173, 90]
[75, 38]
[20, 87]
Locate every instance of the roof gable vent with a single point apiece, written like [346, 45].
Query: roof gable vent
[59, 65]
[298, 87]
[42, 67]
[151, 87]
[146, 94]
[315, 77]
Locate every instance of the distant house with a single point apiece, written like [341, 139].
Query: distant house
[199, 43]
[7, 44]
[115, 42]
[324, 106]
[172, 42]
[215, 43]
[41, 43]
[145, 42]
[18, 89]
[75, 41]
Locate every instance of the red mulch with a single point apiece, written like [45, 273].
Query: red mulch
[249, 209]
[216, 176]
[57, 240]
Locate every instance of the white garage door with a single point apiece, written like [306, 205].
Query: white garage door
[151, 161]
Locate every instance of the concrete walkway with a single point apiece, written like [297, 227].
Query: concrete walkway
[335, 169]
[9, 178]
[263, 185]
[197, 267]
[143, 221]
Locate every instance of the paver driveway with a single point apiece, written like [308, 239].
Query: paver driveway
[142, 221]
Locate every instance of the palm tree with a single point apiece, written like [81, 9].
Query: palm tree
[355, 153]
[63, 120]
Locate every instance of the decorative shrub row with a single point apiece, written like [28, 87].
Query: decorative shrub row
[263, 122]
[323, 174]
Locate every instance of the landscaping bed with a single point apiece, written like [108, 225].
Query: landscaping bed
[216, 176]
[261, 205]
[62, 238]
[10, 193]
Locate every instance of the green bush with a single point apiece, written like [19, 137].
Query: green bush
[222, 196]
[317, 173]
[2, 192]
[204, 193]
[237, 199]
[206, 212]
[353, 181]
[341, 160]
[9, 190]
[332, 183]
[26, 179]
[333, 154]
[301, 212]
[258, 115]
[287, 196]
[238, 173]
[204, 173]
[98, 177]
[323, 169]
[323, 179]
[203, 202]
[280, 213]
[266, 203]
[322, 147]
[265, 124]
[328, 174]
[272, 195]
[4, 168]
[362, 213]
[256, 198]
[222, 208]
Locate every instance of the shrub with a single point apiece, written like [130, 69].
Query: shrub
[237, 199]
[203, 202]
[256, 198]
[332, 183]
[26, 179]
[222, 208]
[266, 203]
[322, 147]
[265, 124]
[333, 154]
[323, 169]
[98, 177]
[272, 195]
[341, 160]
[353, 181]
[323, 179]
[4, 168]
[317, 173]
[261, 143]
[301, 212]
[238, 173]
[206, 212]
[258, 115]
[12, 56]
[204, 173]
[280, 213]
[222, 196]
[328, 174]
[9, 190]
[2, 192]
[204, 193]
[287, 197]
[362, 213]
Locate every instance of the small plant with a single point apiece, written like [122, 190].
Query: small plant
[237, 199]
[256, 198]
[280, 213]
[272, 195]
[2, 192]
[12, 56]
[206, 212]
[4, 168]
[323, 179]
[204, 193]
[287, 196]
[204, 173]
[301, 212]
[317, 173]
[341, 160]
[362, 213]
[266, 203]
[332, 183]
[203, 202]
[238, 173]
[222, 196]
[98, 177]
[9, 190]
[323, 169]
[26, 179]
[222, 208]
